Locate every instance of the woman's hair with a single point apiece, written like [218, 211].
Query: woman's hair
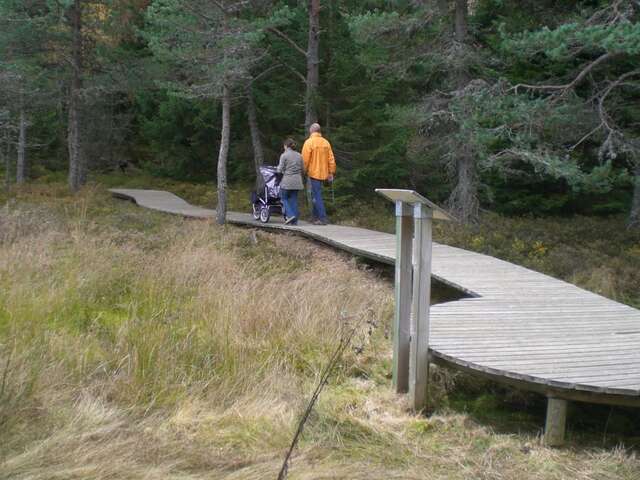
[291, 143]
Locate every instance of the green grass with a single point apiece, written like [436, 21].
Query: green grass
[135, 344]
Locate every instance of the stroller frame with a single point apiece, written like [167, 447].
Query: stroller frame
[267, 200]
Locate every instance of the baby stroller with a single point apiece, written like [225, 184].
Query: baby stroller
[266, 199]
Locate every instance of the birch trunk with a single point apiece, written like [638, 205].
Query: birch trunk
[258, 152]
[634, 216]
[313, 64]
[221, 210]
[76, 166]
[21, 164]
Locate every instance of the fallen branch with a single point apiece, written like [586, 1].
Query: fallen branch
[345, 341]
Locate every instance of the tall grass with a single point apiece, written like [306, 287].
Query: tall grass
[139, 345]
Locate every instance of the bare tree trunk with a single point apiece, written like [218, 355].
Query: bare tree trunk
[463, 201]
[464, 198]
[223, 154]
[7, 159]
[462, 12]
[21, 165]
[258, 152]
[73, 136]
[634, 216]
[313, 64]
[82, 156]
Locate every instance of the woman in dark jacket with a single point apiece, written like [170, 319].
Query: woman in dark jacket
[290, 167]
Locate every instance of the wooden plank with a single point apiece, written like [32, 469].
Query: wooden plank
[524, 344]
[556, 356]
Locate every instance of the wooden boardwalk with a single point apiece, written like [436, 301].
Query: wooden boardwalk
[516, 325]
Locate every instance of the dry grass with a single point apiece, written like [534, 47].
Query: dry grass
[137, 345]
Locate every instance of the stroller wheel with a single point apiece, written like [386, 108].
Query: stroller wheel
[265, 214]
[255, 212]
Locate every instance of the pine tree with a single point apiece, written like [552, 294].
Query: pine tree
[587, 73]
[47, 45]
[212, 46]
[21, 73]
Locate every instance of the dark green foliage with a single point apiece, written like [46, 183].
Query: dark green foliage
[400, 99]
[177, 135]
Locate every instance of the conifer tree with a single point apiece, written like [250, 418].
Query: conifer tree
[587, 82]
[46, 45]
[212, 46]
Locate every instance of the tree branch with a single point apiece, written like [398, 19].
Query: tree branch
[575, 82]
[604, 116]
[264, 72]
[302, 78]
[573, 147]
[288, 39]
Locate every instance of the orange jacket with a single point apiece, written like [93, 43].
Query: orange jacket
[319, 162]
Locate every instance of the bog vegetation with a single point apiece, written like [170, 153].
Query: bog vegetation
[140, 345]
[136, 345]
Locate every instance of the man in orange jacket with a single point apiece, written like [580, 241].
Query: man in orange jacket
[319, 165]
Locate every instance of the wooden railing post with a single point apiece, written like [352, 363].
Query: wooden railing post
[419, 346]
[403, 291]
[411, 320]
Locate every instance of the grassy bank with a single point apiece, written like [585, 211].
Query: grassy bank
[596, 253]
[139, 345]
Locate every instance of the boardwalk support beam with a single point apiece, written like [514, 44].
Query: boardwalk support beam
[554, 429]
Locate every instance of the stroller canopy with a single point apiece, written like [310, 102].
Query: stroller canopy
[269, 181]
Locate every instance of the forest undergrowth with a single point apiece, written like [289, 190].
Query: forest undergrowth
[135, 344]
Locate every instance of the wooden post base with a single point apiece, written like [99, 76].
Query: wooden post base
[554, 429]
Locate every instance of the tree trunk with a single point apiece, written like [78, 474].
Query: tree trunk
[634, 216]
[21, 165]
[5, 152]
[221, 210]
[258, 152]
[463, 201]
[313, 64]
[462, 12]
[76, 164]
[464, 198]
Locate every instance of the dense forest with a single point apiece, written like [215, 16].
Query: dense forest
[514, 106]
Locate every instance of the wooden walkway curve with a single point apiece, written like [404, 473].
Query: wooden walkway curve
[516, 325]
